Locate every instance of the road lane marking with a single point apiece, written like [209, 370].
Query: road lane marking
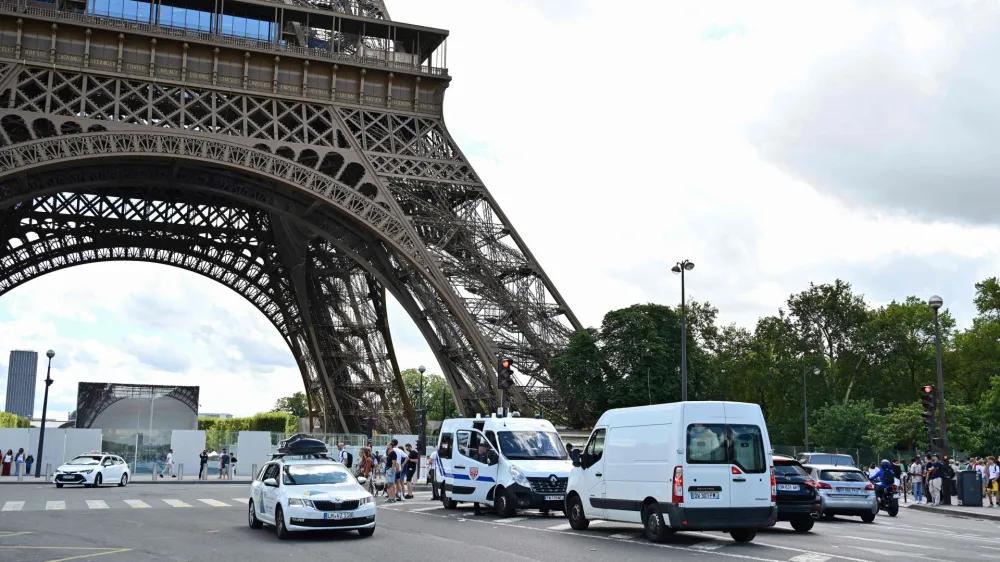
[175, 503]
[779, 547]
[138, 504]
[513, 519]
[419, 509]
[241, 500]
[632, 535]
[215, 503]
[55, 505]
[717, 545]
[13, 506]
[560, 527]
[883, 541]
[96, 504]
[809, 558]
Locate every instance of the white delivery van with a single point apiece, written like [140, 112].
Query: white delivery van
[673, 467]
[527, 465]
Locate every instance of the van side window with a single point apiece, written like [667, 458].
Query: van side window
[595, 448]
[492, 438]
[746, 447]
[464, 439]
[444, 449]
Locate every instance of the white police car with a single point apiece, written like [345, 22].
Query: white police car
[92, 470]
[309, 492]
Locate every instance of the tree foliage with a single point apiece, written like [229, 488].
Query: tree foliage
[8, 420]
[438, 399]
[296, 405]
[859, 366]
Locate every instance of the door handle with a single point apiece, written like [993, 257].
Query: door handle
[739, 479]
[459, 466]
[598, 474]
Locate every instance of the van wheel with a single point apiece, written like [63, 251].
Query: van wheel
[577, 519]
[503, 504]
[447, 503]
[743, 535]
[803, 525]
[655, 528]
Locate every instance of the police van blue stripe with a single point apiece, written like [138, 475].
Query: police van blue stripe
[457, 476]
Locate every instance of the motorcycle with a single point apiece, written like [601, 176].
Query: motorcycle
[888, 499]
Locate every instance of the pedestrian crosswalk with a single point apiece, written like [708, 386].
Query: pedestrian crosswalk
[109, 504]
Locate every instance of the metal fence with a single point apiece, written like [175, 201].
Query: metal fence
[861, 455]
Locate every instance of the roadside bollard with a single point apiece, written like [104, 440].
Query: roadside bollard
[154, 472]
[20, 472]
[253, 471]
[180, 471]
[48, 472]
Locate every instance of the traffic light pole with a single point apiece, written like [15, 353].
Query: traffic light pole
[503, 391]
[940, 385]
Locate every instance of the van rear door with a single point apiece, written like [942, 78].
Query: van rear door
[748, 450]
[706, 470]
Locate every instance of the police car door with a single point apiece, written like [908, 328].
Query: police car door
[473, 480]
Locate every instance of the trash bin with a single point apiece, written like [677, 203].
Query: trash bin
[970, 488]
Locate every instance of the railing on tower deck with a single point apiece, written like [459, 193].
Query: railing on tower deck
[364, 56]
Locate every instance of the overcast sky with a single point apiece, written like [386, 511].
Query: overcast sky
[772, 144]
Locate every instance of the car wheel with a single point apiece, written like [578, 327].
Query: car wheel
[366, 532]
[868, 517]
[59, 485]
[124, 481]
[577, 518]
[97, 480]
[503, 505]
[803, 525]
[654, 527]
[252, 517]
[279, 524]
[743, 535]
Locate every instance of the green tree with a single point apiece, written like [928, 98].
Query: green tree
[296, 405]
[844, 424]
[438, 398]
[578, 375]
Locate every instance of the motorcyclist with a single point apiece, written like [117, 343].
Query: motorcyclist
[884, 478]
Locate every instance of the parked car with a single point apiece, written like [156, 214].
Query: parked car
[93, 469]
[833, 459]
[797, 497]
[844, 490]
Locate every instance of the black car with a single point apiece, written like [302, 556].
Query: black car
[797, 497]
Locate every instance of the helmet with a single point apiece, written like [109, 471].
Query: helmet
[886, 465]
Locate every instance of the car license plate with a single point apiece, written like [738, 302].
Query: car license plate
[789, 487]
[554, 498]
[336, 515]
[848, 490]
[705, 495]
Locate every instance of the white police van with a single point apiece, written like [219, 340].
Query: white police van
[686, 466]
[527, 467]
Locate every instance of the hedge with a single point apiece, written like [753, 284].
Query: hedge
[275, 422]
[12, 421]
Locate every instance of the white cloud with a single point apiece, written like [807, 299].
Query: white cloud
[771, 143]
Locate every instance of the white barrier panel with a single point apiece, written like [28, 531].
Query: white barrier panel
[13, 439]
[187, 445]
[252, 447]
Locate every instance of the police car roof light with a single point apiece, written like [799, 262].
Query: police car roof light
[479, 416]
[515, 414]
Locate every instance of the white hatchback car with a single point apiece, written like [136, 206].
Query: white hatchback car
[306, 494]
[92, 470]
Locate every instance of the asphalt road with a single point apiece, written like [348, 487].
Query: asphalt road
[208, 523]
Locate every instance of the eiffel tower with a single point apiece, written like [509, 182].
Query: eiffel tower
[292, 150]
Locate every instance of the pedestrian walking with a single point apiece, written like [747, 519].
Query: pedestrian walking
[412, 462]
[934, 480]
[224, 465]
[168, 466]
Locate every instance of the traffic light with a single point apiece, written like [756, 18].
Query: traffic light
[506, 374]
[929, 401]
[422, 431]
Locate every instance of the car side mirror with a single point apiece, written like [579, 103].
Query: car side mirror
[271, 482]
[362, 480]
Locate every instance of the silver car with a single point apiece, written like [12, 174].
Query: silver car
[844, 490]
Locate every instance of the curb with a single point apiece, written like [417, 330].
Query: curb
[960, 514]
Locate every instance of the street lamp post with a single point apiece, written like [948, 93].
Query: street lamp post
[45, 412]
[680, 268]
[936, 303]
[421, 420]
[805, 403]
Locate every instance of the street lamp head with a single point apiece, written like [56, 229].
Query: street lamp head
[688, 265]
[936, 302]
[816, 371]
[676, 269]
[421, 369]
[50, 354]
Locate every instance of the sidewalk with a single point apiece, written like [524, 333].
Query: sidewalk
[985, 513]
[136, 479]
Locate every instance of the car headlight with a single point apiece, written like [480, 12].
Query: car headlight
[515, 473]
[86, 471]
[301, 502]
[366, 500]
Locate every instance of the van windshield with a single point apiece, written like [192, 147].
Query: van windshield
[531, 445]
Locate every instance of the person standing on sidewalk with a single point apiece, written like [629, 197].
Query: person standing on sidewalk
[168, 466]
[934, 480]
[203, 465]
[917, 477]
[993, 488]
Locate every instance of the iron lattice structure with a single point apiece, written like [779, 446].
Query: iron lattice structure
[307, 167]
[92, 398]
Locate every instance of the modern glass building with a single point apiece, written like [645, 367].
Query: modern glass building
[22, 371]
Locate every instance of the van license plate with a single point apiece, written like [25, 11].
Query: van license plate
[788, 487]
[554, 498]
[341, 515]
[705, 495]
